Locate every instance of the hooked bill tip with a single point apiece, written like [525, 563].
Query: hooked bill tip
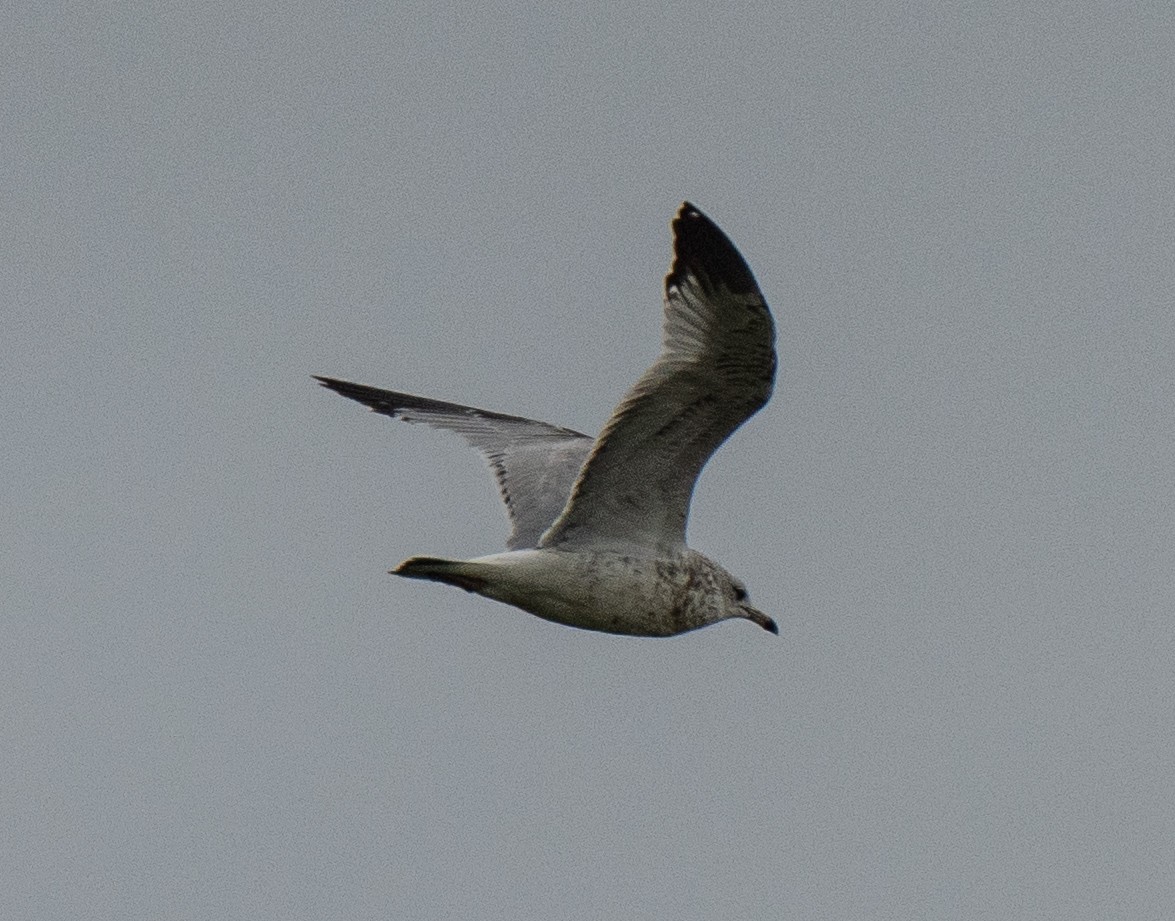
[761, 619]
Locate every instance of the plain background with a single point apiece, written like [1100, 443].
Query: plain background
[959, 505]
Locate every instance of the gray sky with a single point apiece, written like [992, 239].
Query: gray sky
[959, 505]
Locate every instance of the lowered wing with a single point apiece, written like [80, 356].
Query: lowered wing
[534, 463]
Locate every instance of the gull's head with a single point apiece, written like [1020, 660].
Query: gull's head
[743, 609]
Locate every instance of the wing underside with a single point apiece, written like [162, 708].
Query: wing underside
[535, 463]
[715, 370]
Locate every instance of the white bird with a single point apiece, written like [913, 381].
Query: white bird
[599, 524]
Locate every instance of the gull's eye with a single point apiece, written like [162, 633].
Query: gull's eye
[740, 593]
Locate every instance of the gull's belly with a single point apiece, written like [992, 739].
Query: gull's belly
[604, 590]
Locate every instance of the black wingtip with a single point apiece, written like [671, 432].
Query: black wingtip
[703, 251]
[345, 388]
[379, 401]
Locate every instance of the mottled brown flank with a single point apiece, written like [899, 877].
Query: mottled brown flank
[692, 588]
[692, 591]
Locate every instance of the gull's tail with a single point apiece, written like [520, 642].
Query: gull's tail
[467, 575]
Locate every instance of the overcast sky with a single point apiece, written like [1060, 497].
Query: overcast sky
[960, 504]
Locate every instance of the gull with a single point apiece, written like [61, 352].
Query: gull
[599, 524]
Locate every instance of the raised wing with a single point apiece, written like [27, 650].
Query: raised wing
[715, 370]
[534, 463]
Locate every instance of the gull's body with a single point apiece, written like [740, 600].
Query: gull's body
[599, 524]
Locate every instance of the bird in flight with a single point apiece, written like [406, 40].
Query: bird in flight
[598, 539]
